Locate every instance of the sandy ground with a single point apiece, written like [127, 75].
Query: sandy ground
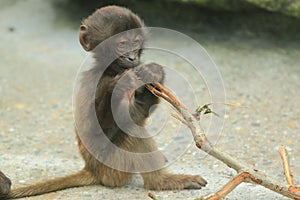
[39, 62]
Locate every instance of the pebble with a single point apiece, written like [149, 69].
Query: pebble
[256, 123]
[11, 129]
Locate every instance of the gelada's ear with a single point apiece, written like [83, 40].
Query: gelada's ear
[84, 38]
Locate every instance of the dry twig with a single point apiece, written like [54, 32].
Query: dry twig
[245, 172]
[286, 165]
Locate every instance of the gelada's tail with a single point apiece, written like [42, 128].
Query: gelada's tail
[80, 178]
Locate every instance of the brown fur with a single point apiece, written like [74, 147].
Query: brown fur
[104, 23]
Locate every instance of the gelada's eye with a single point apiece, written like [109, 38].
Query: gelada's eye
[122, 45]
[136, 42]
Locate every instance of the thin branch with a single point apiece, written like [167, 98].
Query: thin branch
[159, 94]
[246, 172]
[179, 118]
[295, 189]
[231, 185]
[171, 97]
[286, 165]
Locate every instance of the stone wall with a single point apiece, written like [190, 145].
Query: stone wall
[288, 7]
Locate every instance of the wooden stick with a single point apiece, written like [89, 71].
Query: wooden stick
[159, 93]
[179, 118]
[286, 165]
[231, 185]
[247, 173]
[170, 96]
[294, 189]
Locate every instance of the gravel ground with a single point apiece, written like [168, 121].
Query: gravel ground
[39, 62]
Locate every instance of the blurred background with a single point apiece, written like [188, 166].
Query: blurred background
[225, 18]
[254, 43]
